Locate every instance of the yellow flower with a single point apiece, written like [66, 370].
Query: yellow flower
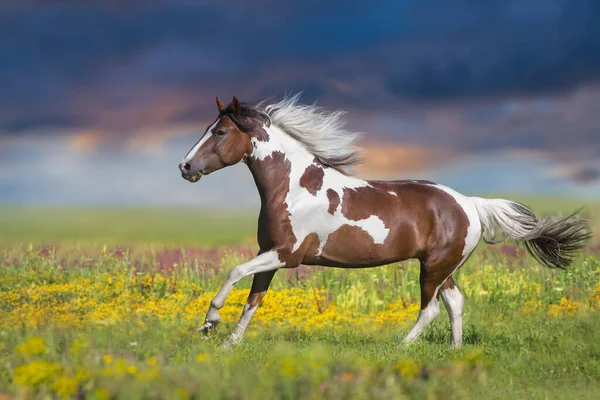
[36, 373]
[131, 369]
[149, 375]
[152, 361]
[107, 359]
[65, 386]
[32, 346]
[565, 306]
[201, 357]
[407, 368]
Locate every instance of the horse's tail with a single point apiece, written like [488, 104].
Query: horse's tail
[550, 240]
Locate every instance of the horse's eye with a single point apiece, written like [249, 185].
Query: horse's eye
[220, 132]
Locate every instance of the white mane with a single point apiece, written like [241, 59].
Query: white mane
[321, 131]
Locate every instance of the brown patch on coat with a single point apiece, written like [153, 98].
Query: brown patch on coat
[307, 250]
[334, 201]
[254, 299]
[312, 179]
[351, 246]
[260, 134]
[272, 178]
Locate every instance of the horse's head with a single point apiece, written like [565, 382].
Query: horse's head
[225, 142]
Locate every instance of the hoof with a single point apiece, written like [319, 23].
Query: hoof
[208, 327]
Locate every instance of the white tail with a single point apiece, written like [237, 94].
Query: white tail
[552, 241]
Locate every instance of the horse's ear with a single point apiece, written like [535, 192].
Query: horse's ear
[237, 107]
[220, 105]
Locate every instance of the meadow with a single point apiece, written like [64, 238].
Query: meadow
[105, 304]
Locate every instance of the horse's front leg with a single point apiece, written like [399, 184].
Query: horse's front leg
[260, 285]
[267, 261]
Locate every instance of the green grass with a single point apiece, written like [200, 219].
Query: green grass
[179, 227]
[505, 356]
[508, 352]
[174, 227]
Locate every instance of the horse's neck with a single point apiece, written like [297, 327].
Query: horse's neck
[278, 163]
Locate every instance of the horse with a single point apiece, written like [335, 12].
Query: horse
[315, 212]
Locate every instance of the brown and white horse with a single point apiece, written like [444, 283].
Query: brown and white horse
[314, 213]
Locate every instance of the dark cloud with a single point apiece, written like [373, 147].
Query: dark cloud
[504, 48]
[586, 175]
[71, 64]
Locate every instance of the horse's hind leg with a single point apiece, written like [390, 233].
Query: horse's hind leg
[454, 301]
[433, 276]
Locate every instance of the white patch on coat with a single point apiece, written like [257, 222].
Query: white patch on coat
[309, 213]
[207, 135]
[393, 193]
[454, 301]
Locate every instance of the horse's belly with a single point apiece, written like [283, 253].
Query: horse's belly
[352, 246]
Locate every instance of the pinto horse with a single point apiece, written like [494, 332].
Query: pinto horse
[315, 213]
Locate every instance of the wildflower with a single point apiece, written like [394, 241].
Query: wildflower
[36, 373]
[32, 346]
[148, 375]
[407, 368]
[565, 306]
[201, 357]
[107, 359]
[65, 386]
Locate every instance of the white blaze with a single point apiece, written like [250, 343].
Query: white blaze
[207, 135]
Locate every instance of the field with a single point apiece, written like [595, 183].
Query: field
[106, 303]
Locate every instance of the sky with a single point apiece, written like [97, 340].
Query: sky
[99, 101]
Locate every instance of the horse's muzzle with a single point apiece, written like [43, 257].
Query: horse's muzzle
[186, 173]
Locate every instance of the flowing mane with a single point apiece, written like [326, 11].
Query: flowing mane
[321, 131]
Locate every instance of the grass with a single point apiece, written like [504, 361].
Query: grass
[179, 227]
[171, 227]
[84, 320]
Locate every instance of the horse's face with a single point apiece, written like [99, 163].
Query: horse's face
[222, 144]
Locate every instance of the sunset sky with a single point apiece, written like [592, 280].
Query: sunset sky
[99, 101]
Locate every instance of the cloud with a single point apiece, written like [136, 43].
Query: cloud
[586, 175]
[582, 174]
[390, 161]
[432, 84]
[68, 65]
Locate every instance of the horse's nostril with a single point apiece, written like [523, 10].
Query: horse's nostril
[187, 166]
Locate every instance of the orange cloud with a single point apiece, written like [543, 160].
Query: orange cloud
[84, 141]
[384, 160]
